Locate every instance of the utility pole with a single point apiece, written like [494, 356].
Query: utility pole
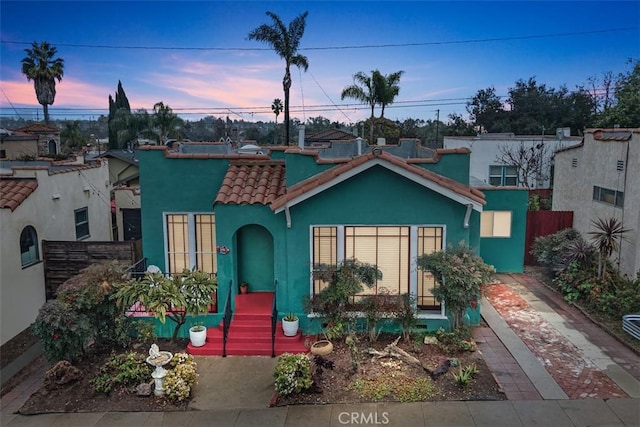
[437, 125]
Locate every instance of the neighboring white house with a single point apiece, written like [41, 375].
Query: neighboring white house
[43, 200]
[486, 148]
[600, 178]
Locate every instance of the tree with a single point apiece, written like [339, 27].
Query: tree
[40, 66]
[276, 107]
[72, 136]
[606, 237]
[485, 109]
[165, 121]
[363, 90]
[121, 103]
[625, 108]
[386, 88]
[532, 163]
[285, 42]
[459, 274]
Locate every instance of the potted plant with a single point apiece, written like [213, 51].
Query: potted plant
[244, 287]
[290, 325]
[198, 334]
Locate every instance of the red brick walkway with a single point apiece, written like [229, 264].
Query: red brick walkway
[579, 378]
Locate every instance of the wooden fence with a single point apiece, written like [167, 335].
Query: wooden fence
[65, 259]
[543, 223]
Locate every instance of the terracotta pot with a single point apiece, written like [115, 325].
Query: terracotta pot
[322, 347]
[244, 289]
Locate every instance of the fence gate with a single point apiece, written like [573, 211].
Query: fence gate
[543, 223]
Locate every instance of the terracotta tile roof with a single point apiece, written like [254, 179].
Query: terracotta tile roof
[612, 134]
[38, 128]
[327, 176]
[252, 182]
[14, 191]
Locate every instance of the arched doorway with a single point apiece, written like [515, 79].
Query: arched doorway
[53, 149]
[255, 257]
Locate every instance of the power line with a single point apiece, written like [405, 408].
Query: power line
[370, 46]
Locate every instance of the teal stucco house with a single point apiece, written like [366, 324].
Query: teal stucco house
[267, 215]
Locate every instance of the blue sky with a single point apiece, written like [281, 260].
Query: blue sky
[442, 47]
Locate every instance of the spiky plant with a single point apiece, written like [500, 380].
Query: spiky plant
[606, 237]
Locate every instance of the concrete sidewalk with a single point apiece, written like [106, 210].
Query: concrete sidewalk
[557, 413]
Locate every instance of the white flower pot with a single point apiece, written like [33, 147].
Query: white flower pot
[198, 335]
[290, 328]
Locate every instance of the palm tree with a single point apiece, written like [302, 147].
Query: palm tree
[606, 237]
[387, 89]
[165, 121]
[276, 107]
[285, 42]
[40, 67]
[364, 90]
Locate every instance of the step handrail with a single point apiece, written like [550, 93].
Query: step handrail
[226, 320]
[274, 318]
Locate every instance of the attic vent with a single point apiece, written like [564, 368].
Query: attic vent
[620, 165]
[574, 163]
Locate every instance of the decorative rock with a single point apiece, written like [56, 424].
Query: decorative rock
[144, 389]
[430, 340]
[60, 374]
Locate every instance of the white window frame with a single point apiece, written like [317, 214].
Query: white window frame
[503, 175]
[413, 256]
[191, 230]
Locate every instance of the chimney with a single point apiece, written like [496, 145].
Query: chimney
[359, 146]
[301, 137]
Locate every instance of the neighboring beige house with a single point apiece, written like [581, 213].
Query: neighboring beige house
[29, 141]
[485, 149]
[600, 178]
[43, 200]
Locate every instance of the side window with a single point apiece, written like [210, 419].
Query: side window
[29, 252]
[495, 224]
[82, 223]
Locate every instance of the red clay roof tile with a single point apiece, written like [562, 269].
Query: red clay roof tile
[252, 183]
[14, 191]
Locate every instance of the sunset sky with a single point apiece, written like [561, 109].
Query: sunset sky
[195, 56]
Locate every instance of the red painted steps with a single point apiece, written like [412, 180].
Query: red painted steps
[250, 331]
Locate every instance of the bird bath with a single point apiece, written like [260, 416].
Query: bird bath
[158, 359]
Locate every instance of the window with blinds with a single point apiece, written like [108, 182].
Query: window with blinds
[388, 247]
[191, 241]
[495, 224]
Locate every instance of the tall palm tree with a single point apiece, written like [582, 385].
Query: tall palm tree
[40, 67]
[364, 90]
[165, 121]
[387, 88]
[285, 42]
[276, 107]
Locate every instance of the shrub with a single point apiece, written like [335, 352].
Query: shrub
[181, 377]
[62, 331]
[88, 293]
[456, 341]
[622, 297]
[126, 369]
[549, 250]
[292, 373]
[459, 274]
[464, 377]
[376, 307]
[406, 314]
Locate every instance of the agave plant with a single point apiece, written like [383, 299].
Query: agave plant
[606, 237]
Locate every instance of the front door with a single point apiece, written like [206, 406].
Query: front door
[255, 258]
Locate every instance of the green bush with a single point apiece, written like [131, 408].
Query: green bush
[292, 373]
[89, 294]
[620, 298]
[549, 250]
[126, 369]
[62, 331]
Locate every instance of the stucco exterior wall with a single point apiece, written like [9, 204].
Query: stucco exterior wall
[596, 165]
[22, 290]
[485, 150]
